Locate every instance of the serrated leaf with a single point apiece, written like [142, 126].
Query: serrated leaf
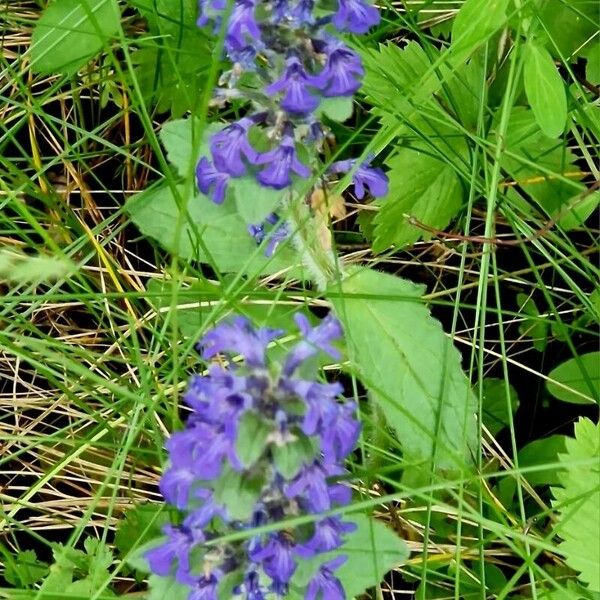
[580, 379]
[25, 569]
[251, 439]
[185, 141]
[228, 245]
[372, 549]
[421, 187]
[410, 367]
[70, 32]
[476, 21]
[578, 500]
[545, 90]
[495, 409]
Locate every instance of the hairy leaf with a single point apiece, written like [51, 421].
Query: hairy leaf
[410, 367]
[226, 242]
[25, 569]
[70, 32]
[577, 501]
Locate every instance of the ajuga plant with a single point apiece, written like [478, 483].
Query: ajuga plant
[264, 442]
[287, 62]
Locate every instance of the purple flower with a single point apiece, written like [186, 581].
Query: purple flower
[277, 558]
[231, 146]
[174, 552]
[342, 73]
[296, 13]
[205, 588]
[281, 162]
[176, 484]
[297, 98]
[325, 584]
[311, 485]
[339, 438]
[315, 339]
[364, 177]
[242, 26]
[208, 10]
[238, 337]
[292, 411]
[328, 536]
[210, 178]
[355, 16]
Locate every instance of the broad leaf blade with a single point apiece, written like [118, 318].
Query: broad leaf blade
[545, 90]
[577, 380]
[476, 21]
[410, 367]
[71, 32]
[421, 187]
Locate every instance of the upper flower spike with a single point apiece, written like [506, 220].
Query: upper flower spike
[356, 16]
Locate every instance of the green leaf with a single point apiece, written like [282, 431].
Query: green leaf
[568, 26]
[372, 550]
[581, 376]
[411, 368]
[338, 109]
[238, 492]
[141, 524]
[495, 410]
[166, 588]
[476, 22]
[25, 569]
[421, 187]
[577, 210]
[534, 328]
[252, 437]
[578, 500]
[70, 32]
[545, 90]
[528, 150]
[173, 61]
[592, 68]
[289, 458]
[541, 452]
[185, 141]
[227, 244]
[254, 202]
